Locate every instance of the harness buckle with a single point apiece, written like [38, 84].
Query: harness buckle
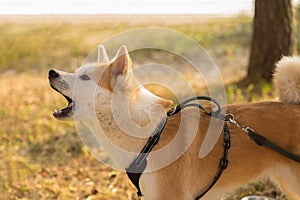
[171, 111]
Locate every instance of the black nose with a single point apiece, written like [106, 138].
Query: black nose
[53, 74]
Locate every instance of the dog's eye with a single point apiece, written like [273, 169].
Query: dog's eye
[85, 77]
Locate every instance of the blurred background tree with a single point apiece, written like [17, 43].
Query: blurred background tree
[272, 38]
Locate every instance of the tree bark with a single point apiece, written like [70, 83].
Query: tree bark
[272, 37]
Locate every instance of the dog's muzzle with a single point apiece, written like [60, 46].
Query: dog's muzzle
[64, 113]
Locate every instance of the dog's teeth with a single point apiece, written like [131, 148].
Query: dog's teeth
[57, 111]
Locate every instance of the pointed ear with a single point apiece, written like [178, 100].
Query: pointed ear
[121, 64]
[102, 55]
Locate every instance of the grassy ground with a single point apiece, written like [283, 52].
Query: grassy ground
[42, 158]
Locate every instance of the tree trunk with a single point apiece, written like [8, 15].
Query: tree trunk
[272, 37]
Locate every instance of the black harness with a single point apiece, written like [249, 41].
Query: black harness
[138, 165]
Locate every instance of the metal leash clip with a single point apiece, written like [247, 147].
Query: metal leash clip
[230, 118]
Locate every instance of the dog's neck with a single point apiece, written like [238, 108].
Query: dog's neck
[127, 122]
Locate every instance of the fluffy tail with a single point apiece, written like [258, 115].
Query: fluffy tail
[287, 79]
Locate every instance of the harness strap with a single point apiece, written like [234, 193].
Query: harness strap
[186, 103]
[223, 161]
[138, 165]
[217, 114]
[262, 141]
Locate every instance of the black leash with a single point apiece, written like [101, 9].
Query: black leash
[137, 167]
[262, 141]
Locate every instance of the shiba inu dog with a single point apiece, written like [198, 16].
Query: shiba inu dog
[107, 93]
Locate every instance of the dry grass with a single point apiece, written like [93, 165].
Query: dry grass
[42, 158]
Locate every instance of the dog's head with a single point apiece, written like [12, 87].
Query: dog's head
[93, 86]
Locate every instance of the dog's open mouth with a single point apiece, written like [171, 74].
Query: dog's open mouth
[66, 112]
